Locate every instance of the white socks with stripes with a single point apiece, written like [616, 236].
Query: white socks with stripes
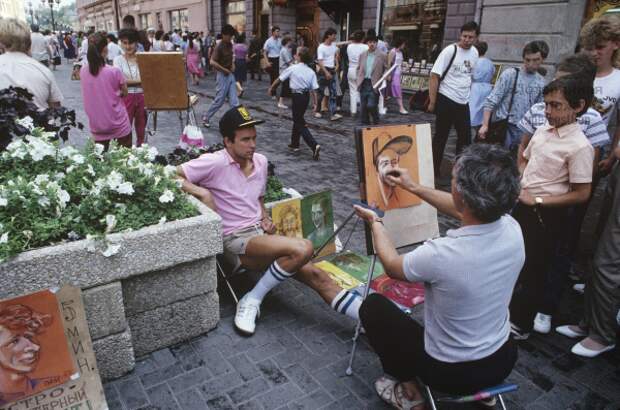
[273, 276]
[347, 303]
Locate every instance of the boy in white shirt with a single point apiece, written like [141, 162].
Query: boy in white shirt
[328, 58]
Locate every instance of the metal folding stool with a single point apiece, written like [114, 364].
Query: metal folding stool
[481, 395]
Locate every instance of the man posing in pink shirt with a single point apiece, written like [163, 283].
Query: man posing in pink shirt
[232, 182]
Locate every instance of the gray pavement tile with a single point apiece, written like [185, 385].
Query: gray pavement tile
[344, 403]
[214, 361]
[259, 353]
[220, 384]
[248, 390]
[593, 401]
[132, 393]
[220, 403]
[187, 356]
[160, 375]
[244, 366]
[313, 362]
[163, 358]
[271, 372]
[110, 392]
[189, 379]
[250, 405]
[527, 392]
[191, 400]
[162, 398]
[331, 383]
[115, 404]
[312, 401]
[563, 393]
[609, 386]
[302, 378]
[279, 396]
[358, 388]
[291, 355]
[146, 365]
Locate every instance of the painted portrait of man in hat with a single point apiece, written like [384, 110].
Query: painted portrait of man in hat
[386, 160]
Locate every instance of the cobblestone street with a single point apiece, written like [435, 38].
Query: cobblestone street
[298, 356]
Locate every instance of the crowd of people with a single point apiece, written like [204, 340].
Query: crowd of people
[520, 188]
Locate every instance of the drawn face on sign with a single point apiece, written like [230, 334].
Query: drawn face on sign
[19, 347]
[318, 215]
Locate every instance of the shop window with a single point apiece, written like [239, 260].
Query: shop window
[179, 19]
[235, 14]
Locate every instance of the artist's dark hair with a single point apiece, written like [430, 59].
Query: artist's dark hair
[304, 55]
[228, 30]
[129, 34]
[482, 47]
[578, 64]
[471, 26]
[328, 33]
[358, 36]
[274, 28]
[96, 43]
[531, 48]
[575, 88]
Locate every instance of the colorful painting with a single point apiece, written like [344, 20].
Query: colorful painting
[317, 220]
[380, 149]
[340, 277]
[34, 354]
[286, 217]
[406, 294]
[355, 265]
[386, 148]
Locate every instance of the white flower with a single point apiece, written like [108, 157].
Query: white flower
[43, 201]
[162, 220]
[110, 221]
[157, 179]
[63, 197]
[99, 149]
[26, 122]
[27, 234]
[68, 151]
[17, 149]
[39, 149]
[59, 175]
[3, 201]
[78, 159]
[125, 188]
[41, 178]
[90, 170]
[112, 249]
[170, 170]
[4, 238]
[74, 236]
[115, 179]
[167, 196]
[70, 168]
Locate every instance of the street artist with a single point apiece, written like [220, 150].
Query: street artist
[232, 182]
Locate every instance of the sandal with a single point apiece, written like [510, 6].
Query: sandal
[392, 392]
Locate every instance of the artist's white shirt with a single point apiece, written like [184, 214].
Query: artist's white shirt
[301, 77]
[607, 95]
[130, 72]
[457, 82]
[354, 51]
[327, 54]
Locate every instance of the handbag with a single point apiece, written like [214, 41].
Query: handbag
[264, 63]
[57, 60]
[192, 135]
[496, 133]
[420, 100]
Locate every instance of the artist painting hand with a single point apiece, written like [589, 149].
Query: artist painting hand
[400, 177]
[268, 226]
[366, 214]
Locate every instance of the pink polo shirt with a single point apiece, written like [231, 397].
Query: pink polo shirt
[557, 157]
[236, 196]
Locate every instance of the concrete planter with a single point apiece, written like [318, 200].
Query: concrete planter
[158, 290]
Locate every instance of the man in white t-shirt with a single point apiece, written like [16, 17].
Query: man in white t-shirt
[354, 50]
[114, 49]
[271, 50]
[328, 57]
[449, 92]
[40, 46]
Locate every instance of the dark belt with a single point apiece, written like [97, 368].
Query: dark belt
[304, 91]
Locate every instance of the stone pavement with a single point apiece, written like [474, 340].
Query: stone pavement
[297, 358]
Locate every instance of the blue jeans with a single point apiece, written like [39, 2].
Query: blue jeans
[225, 87]
[369, 102]
[331, 86]
[513, 137]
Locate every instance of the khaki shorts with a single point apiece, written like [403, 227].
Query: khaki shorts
[235, 244]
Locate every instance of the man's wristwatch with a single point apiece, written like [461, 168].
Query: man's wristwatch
[538, 201]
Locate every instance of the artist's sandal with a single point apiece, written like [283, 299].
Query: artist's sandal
[392, 392]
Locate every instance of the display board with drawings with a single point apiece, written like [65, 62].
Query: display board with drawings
[407, 219]
[47, 358]
[311, 217]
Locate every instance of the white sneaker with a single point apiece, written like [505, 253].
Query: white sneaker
[582, 351]
[247, 311]
[318, 115]
[280, 105]
[542, 323]
[579, 287]
[568, 331]
[336, 117]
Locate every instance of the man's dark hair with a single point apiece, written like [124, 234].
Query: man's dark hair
[304, 55]
[471, 26]
[129, 34]
[112, 38]
[532, 47]
[228, 30]
[578, 64]
[370, 37]
[275, 28]
[286, 40]
[482, 47]
[371, 32]
[34, 28]
[543, 47]
[129, 21]
[575, 88]
[328, 33]
[487, 178]
[159, 34]
[358, 36]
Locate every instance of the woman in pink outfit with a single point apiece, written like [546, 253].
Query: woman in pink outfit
[103, 87]
[128, 64]
[192, 57]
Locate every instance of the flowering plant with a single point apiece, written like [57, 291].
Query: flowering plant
[51, 194]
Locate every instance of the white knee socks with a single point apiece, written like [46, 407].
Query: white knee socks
[347, 303]
[272, 277]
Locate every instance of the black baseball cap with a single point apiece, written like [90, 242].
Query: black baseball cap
[235, 118]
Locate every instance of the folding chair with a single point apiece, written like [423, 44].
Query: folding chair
[495, 391]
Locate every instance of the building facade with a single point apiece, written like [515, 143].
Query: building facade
[13, 9]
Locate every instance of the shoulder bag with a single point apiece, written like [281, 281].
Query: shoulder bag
[498, 129]
[421, 99]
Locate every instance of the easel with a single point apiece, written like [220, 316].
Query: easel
[165, 87]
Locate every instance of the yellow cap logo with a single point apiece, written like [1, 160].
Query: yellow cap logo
[244, 113]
